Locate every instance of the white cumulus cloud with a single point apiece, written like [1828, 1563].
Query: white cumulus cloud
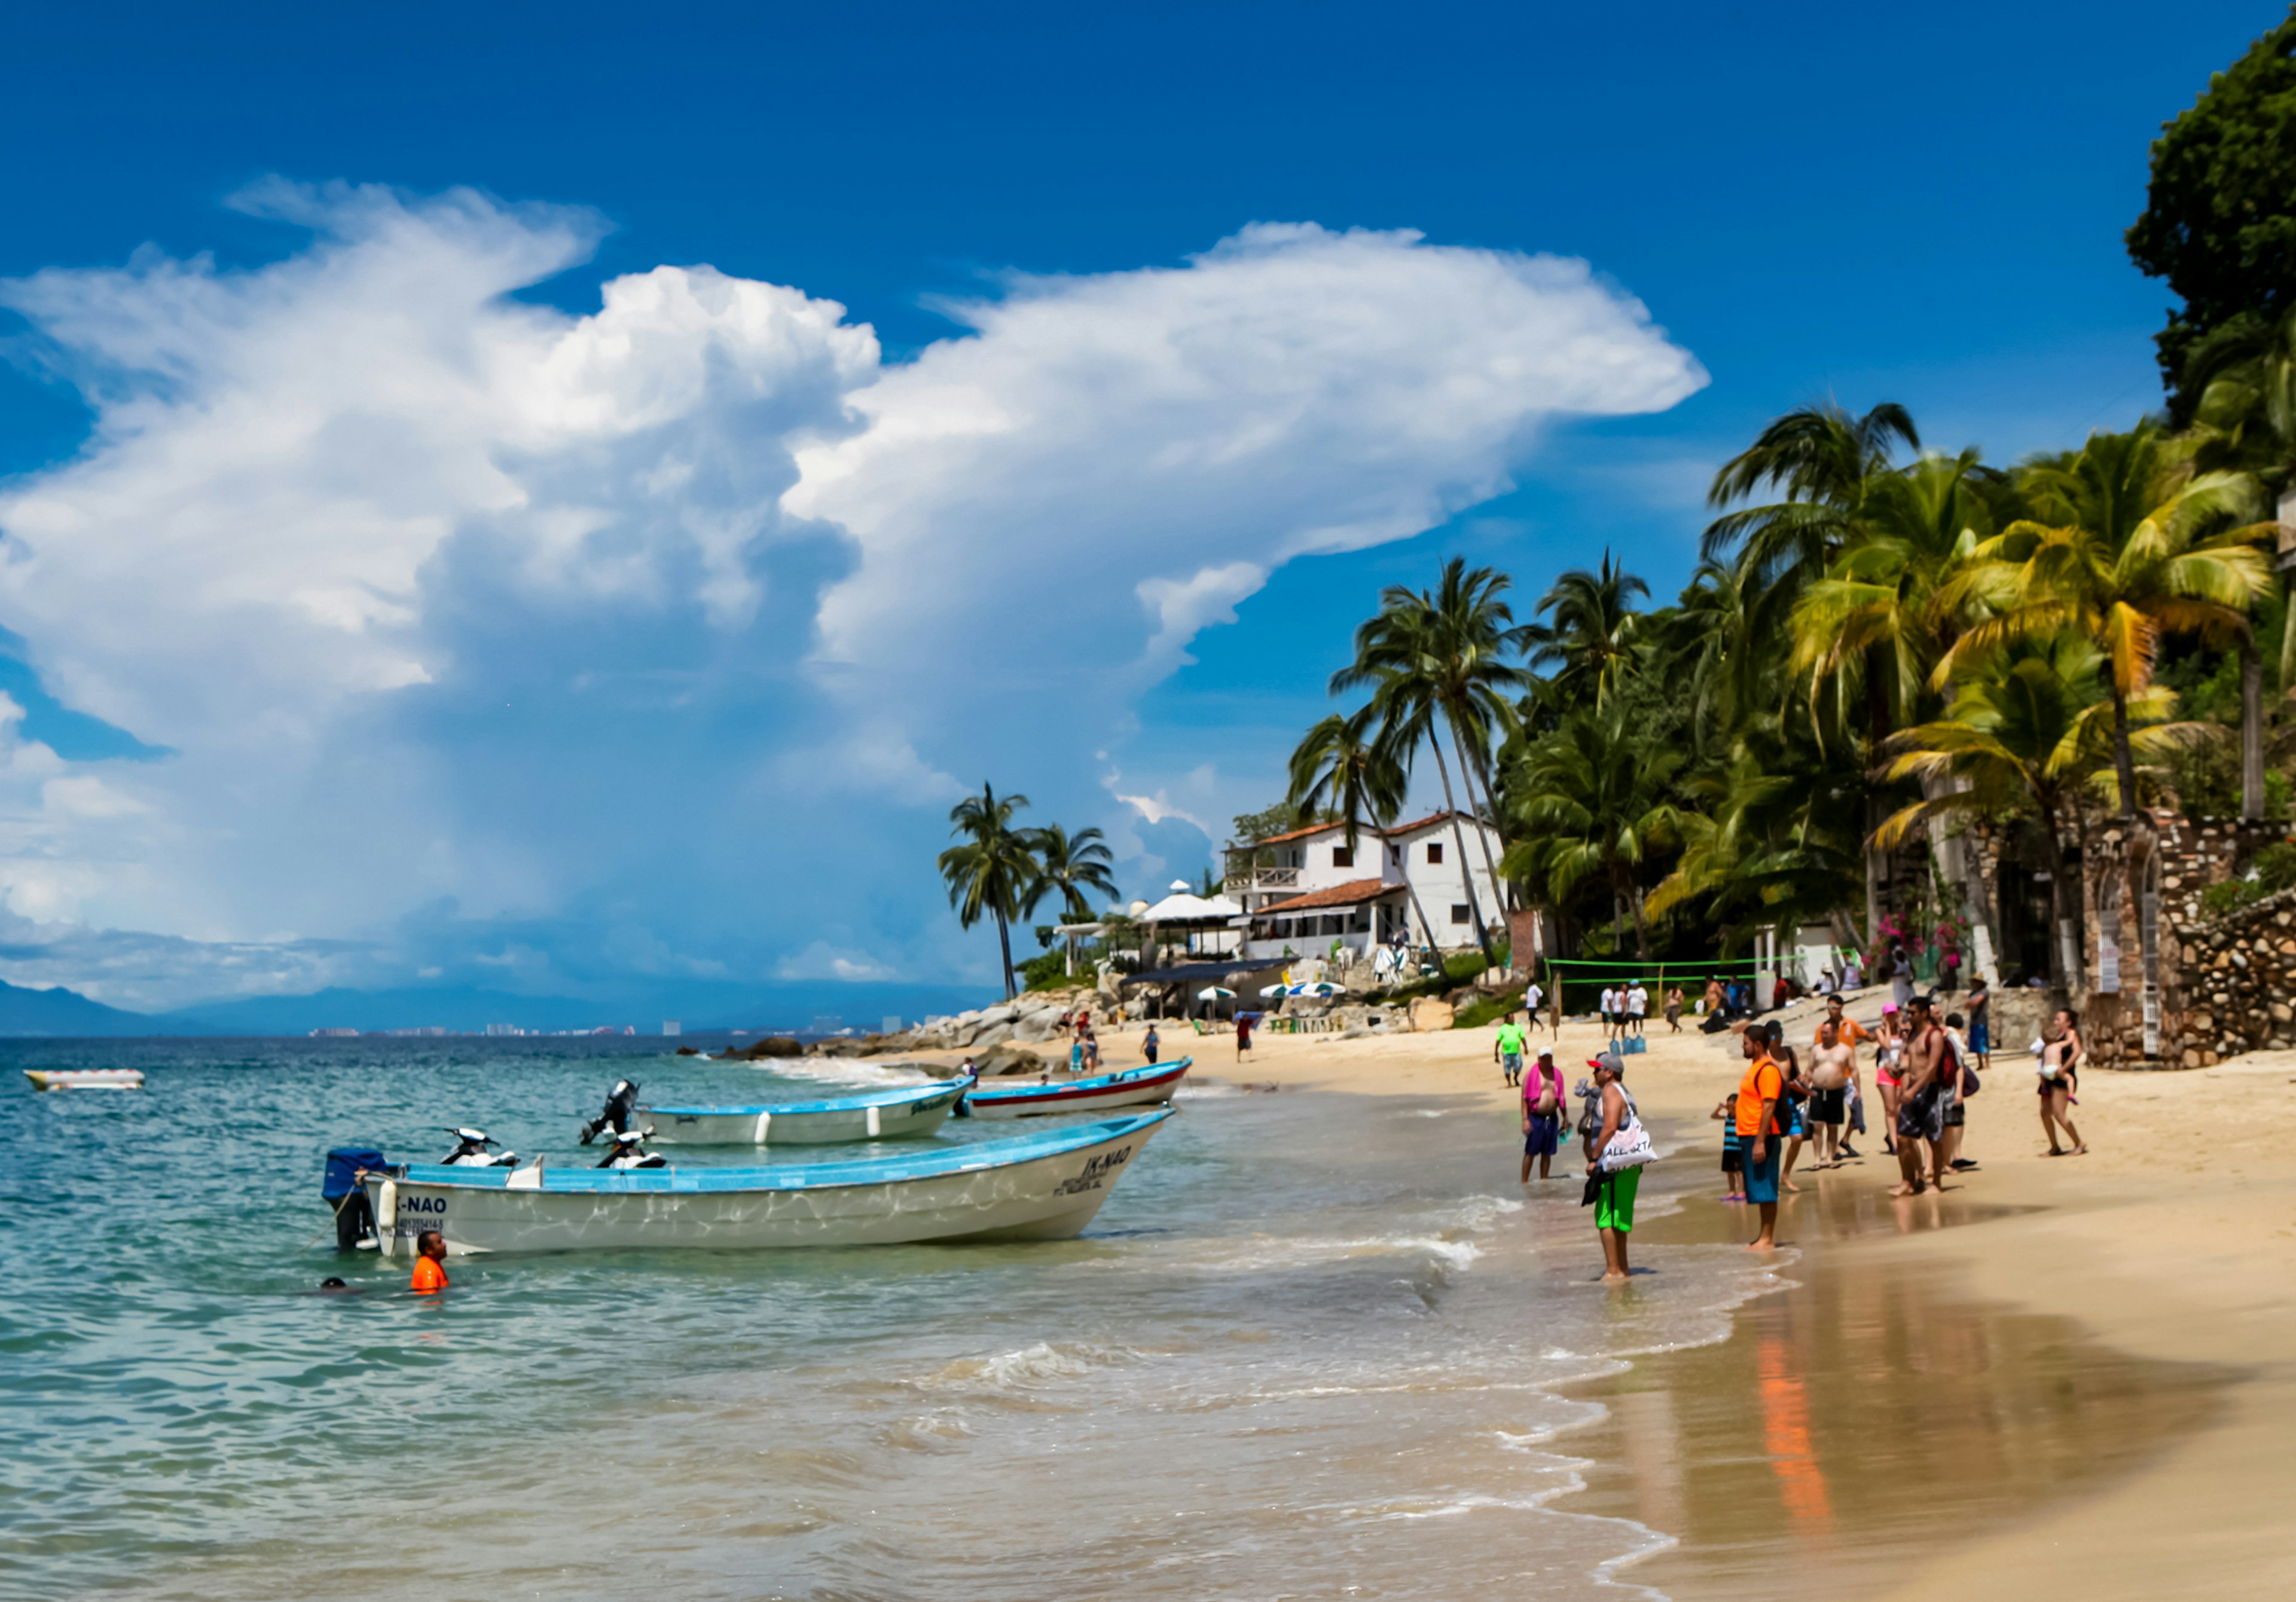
[666, 632]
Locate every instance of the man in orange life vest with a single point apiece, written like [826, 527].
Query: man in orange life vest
[429, 1263]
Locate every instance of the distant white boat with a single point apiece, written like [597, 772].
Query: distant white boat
[893, 1115]
[1104, 1092]
[1042, 1186]
[86, 1079]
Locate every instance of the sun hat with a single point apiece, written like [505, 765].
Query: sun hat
[1888, 1007]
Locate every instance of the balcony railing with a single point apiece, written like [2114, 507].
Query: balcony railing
[1265, 878]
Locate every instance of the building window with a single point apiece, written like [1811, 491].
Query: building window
[1343, 856]
[1458, 912]
[1435, 851]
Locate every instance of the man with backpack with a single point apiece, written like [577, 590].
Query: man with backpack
[1761, 1130]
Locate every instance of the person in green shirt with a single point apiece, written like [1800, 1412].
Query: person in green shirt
[1507, 1049]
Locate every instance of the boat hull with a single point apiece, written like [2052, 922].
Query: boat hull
[910, 1113]
[1037, 1190]
[86, 1079]
[1133, 1087]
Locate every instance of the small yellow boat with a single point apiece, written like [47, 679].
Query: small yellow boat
[86, 1079]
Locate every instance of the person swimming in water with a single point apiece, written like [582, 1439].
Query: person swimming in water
[429, 1263]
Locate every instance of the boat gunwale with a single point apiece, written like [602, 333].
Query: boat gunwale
[1120, 1079]
[899, 1095]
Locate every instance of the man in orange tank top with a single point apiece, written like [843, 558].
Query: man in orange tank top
[429, 1263]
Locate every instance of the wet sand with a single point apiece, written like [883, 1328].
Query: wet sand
[2068, 1375]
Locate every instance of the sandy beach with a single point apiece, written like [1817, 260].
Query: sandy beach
[2064, 1376]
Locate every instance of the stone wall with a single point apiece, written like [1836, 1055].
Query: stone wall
[2236, 977]
[2189, 855]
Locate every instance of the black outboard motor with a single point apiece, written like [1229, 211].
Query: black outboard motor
[621, 1106]
[353, 1214]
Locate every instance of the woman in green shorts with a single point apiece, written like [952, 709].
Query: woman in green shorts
[1614, 1198]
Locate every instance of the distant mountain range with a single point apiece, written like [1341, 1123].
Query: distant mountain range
[700, 1007]
[61, 1012]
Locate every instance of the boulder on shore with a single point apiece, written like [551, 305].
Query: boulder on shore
[773, 1045]
[1008, 1060]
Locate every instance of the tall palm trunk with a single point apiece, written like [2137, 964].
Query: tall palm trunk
[2251, 729]
[1503, 889]
[1459, 840]
[1482, 809]
[1004, 945]
[1877, 730]
[2124, 761]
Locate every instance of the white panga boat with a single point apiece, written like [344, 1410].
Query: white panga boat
[1128, 1087]
[86, 1079]
[872, 1115]
[1041, 1186]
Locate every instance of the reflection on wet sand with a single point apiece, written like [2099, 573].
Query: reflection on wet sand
[1863, 1420]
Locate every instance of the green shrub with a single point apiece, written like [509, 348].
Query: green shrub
[2275, 867]
[1486, 1009]
[1048, 971]
[1463, 966]
[2230, 896]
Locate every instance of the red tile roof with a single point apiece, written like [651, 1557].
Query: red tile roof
[1339, 896]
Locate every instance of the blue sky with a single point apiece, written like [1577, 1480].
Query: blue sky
[379, 614]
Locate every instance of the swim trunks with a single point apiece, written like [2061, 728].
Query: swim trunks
[1762, 1177]
[1615, 1206]
[1825, 1106]
[1545, 1137]
[1921, 1116]
[1511, 1064]
[1734, 1152]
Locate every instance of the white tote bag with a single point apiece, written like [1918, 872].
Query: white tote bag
[1630, 1147]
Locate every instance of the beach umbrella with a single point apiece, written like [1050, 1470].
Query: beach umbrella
[1271, 990]
[1321, 987]
[1214, 993]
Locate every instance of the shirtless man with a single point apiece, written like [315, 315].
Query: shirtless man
[1832, 1070]
[1925, 1096]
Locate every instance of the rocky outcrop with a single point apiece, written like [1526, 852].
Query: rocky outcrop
[1025, 1020]
[1008, 1060]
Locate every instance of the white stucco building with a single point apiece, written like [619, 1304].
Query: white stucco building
[1302, 889]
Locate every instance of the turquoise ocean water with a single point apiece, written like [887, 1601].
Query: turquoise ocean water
[1302, 1352]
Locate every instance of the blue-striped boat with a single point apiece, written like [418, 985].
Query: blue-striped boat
[1044, 1185]
[908, 1110]
[1128, 1087]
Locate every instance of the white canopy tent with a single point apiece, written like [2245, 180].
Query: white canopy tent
[1185, 910]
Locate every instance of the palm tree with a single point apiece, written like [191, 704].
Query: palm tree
[1769, 843]
[1591, 803]
[1592, 639]
[1437, 663]
[2028, 730]
[2244, 374]
[994, 870]
[1826, 464]
[2126, 544]
[1337, 770]
[1067, 865]
[1822, 462]
[1706, 642]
